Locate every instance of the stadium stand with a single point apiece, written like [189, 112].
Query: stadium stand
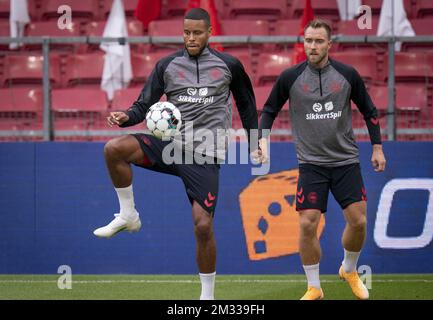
[20, 109]
[257, 9]
[27, 70]
[271, 65]
[79, 67]
[84, 70]
[82, 10]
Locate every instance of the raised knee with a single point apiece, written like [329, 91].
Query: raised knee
[113, 148]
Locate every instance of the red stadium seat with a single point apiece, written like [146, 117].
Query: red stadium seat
[81, 10]
[411, 67]
[262, 95]
[423, 8]
[96, 29]
[245, 27]
[247, 61]
[78, 108]
[422, 27]
[50, 28]
[28, 70]
[166, 28]
[124, 98]
[350, 28]
[174, 9]
[376, 6]
[21, 109]
[84, 69]
[257, 9]
[379, 96]
[5, 9]
[158, 28]
[287, 27]
[128, 5]
[412, 97]
[368, 71]
[21, 100]
[271, 65]
[142, 66]
[325, 9]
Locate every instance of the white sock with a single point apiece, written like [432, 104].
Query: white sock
[126, 201]
[350, 260]
[312, 273]
[207, 285]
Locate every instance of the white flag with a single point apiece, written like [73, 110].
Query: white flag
[18, 18]
[401, 25]
[117, 65]
[348, 9]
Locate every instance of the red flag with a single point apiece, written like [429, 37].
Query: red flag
[147, 10]
[308, 15]
[209, 6]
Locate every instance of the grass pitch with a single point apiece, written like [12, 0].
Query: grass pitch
[187, 287]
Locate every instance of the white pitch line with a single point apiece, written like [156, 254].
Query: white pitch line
[219, 281]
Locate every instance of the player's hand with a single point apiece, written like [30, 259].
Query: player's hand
[378, 158]
[117, 118]
[261, 154]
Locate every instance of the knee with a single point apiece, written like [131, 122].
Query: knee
[308, 227]
[359, 223]
[113, 148]
[203, 229]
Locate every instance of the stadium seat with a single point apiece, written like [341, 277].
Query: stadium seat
[21, 109]
[84, 69]
[81, 10]
[257, 9]
[78, 108]
[271, 65]
[96, 29]
[325, 9]
[412, 97]
[21, 99]
[423, 8]
[368, 71]
[142, 66]
[28, 70]
[172, 28]
[173, 9]
[379, 96]
[128, 5]
[289, 27]
[376, 6]
[50, 28]
[166, 28]
[247, 61]
[262, 95]
[5, 9]
[245, 27]
[124, 98]
[411, 67]
[422, 27]
[350, 28]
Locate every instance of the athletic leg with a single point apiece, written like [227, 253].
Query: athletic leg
[119, 154]
[206, 250]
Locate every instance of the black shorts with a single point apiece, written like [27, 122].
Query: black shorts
[314, 183]
[200, 180]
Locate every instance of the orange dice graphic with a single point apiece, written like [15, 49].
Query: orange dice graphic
[269, 217]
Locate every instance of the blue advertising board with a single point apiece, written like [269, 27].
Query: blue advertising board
[53, 195]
